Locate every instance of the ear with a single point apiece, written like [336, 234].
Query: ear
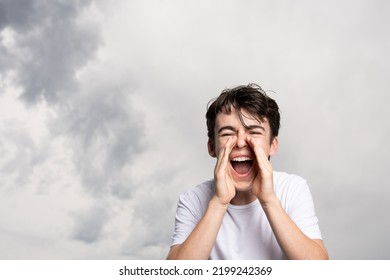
[274, 146]
[211, 148]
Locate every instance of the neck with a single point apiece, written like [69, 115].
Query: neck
[242, 198]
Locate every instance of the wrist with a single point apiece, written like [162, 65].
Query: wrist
[217, 205]
[270, 203]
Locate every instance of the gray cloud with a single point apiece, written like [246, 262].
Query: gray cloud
[106, 136]
[102, 129]
[25, 155]
[22, 14]
[52, 46]
[89, 223]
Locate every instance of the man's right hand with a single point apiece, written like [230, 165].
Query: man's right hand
[200, 242]
[224, 184]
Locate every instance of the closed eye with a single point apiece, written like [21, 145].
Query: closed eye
[226, 131]
[226, 134]
[256, 132]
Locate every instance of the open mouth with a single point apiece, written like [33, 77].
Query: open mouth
[242, 165]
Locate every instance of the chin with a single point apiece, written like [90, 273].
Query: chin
[243, 186]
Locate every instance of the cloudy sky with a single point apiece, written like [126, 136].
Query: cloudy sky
[102, 122]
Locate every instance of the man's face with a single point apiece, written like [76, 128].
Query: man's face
[243, 166]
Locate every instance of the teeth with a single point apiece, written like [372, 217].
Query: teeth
[241, 159]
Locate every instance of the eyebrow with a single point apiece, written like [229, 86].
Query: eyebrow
[250, 127]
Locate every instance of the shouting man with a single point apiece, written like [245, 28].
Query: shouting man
[248, 211]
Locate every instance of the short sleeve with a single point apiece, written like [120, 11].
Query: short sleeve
[301, 209]
[185, 220]
[190, 209]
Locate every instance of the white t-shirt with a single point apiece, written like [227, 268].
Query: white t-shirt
[245, 232]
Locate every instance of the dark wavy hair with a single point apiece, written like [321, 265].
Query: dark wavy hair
[253, 99]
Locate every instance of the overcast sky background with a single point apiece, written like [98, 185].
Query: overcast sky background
[102, 122]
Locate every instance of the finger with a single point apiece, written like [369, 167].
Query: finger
[224, 153]
[254, 146]
[227, 150]
[252, 143]
[261, 157]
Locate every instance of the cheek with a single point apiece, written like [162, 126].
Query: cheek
[220, 143]
[217, 145]
[264, 145]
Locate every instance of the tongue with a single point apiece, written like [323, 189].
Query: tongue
[241, 167]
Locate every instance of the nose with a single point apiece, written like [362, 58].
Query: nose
[241, 140]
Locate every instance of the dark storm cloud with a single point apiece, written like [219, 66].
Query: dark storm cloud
[3, 20]
[20, 14]
[106, 136]
[52, 46]
[104, 133]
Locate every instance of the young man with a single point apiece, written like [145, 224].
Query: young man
[248, 211]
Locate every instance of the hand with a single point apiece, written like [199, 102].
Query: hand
[224, 184]
[263, 184]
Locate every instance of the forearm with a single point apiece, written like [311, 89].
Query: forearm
[294, 243]
[200, 242]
